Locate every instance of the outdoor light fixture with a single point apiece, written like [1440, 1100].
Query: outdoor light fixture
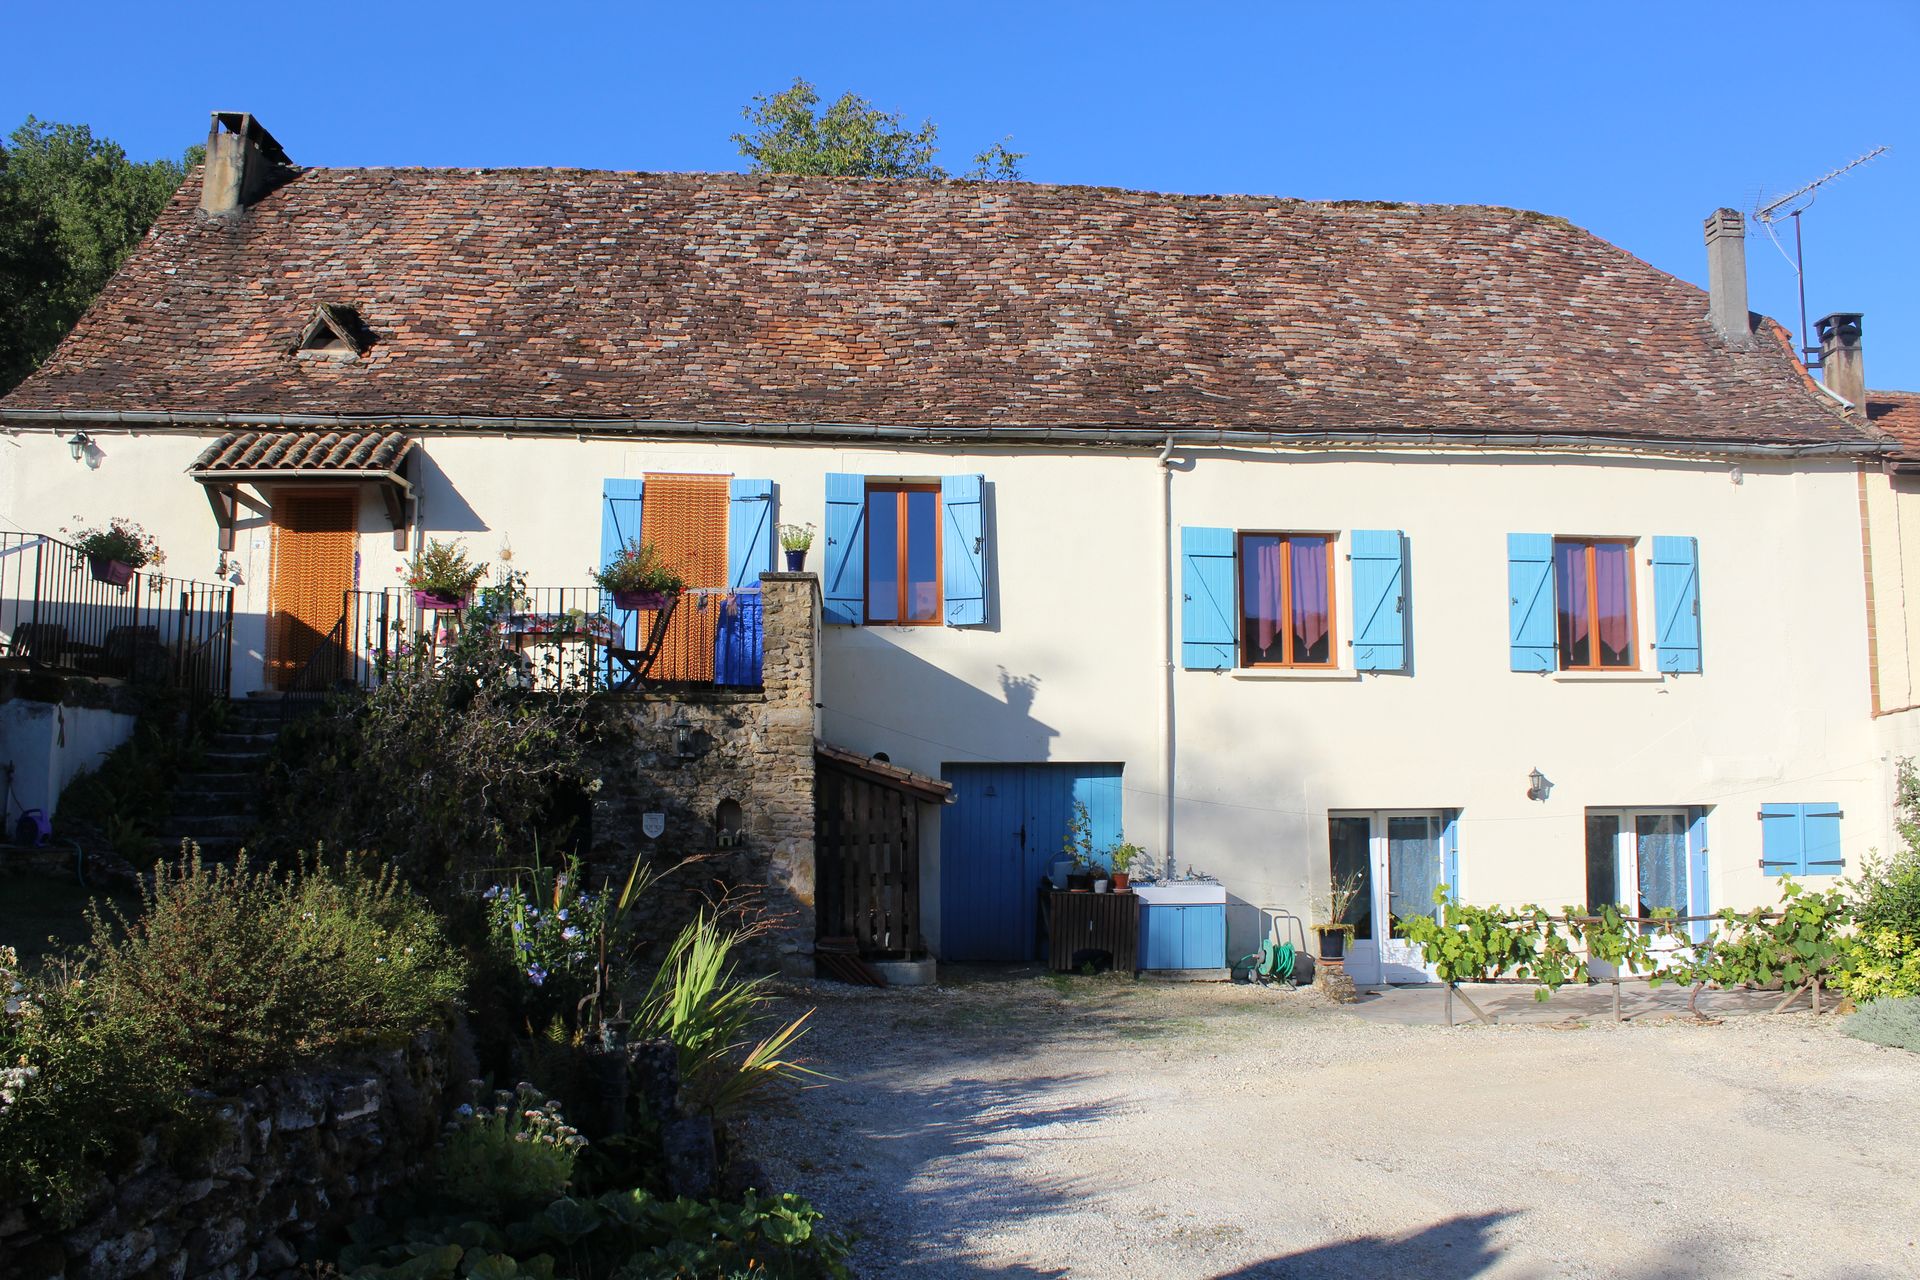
[77, 445]
[682, 735]
[1537, 785]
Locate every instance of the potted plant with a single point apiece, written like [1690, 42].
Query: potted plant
[1123, 856]
[115, 552]
[441, 576]
[795, 539]
[1078, 845]
[1336, 928]
[639, 577]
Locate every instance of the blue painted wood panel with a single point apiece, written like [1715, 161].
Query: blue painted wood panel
[1176, 936]
[999, 837]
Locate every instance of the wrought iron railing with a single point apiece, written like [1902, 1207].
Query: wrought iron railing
[60, 610]
[571, 637]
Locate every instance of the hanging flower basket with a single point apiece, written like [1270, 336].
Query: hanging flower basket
[442, 603]
[117, 572]
[655, 600]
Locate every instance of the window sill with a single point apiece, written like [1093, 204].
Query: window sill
[1608, 677]
[1294, 673]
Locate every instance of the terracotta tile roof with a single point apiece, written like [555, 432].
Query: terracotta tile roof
[766, 301]
[1898, 414]
[884, 773]
[377, 450]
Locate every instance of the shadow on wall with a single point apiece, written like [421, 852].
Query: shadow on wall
[941, 718]
[442, 508]
[1456, 1249]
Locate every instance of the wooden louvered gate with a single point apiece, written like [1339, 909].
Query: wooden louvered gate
[685, 518]
[867, 863]
[312, 570]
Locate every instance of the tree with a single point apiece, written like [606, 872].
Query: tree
[852, 139]
[72, 207]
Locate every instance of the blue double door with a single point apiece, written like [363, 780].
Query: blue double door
[1000, 836]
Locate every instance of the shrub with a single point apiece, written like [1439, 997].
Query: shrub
[640, 566]
[443, 569]
[1895, 1023]
[122, 540]
[510, 1157]
[230, 971]
[1880, 964]
[698, 1002]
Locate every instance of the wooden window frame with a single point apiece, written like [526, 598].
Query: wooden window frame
[900, 489]
[1286, 600]
[1588, 543]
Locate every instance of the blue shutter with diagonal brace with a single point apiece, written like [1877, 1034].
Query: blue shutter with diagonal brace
[1698, 901]
[1820, 845]
[843, 576]
[1801, 840]
[1676, 604]
[1530, 604]
[963, 543]
[749, 533]
[1209, 614]
[1379, 600]
[620, 525]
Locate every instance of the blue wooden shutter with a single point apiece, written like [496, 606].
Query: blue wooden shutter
[1782, 847]
[749, 533]
[619, 525]
[1820, 840]
[1530, 608]
[1450, 845]
[844, 576]
[964, 548]
[1379, 600]
[1209, 613]
[1698, 901]
[1676, 604]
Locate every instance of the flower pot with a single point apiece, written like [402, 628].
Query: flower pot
[110, 571]
[1099, 886]
[641, 599]
[443, 603]
[1078, 882]
[1333, 944]
[796, 560]
[1120, 881]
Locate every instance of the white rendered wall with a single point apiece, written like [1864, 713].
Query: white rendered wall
[1069, 667]
[49, 745]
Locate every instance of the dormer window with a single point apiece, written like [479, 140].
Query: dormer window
[335, 332]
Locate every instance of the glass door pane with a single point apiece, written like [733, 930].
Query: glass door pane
[1414, 867]
[1660, 841]
[1347, 838]
[1603, 855]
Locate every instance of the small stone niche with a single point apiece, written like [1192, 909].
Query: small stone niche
[729, 824]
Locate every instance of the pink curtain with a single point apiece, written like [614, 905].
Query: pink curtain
[1610, 569]
[1263, 590]
[1309, 594]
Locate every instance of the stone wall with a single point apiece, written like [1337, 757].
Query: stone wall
[303, 1154]
[753, 749]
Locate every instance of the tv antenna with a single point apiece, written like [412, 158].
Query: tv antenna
[1792, 205]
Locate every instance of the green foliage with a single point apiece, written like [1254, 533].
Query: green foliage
[443, 569]
[1078, 841]
[1880, 964]
[127, 794]
[796, 537]
[1883, 956]
[230, 971]
[122, 540]
[564, 943]
[698, 1001]
[511, 1157]
[852, 138]
[640, 566]
[626, 1234]
[1895, 1023]
[1479, 944]
[72, 207]
[1802, 942]
[1123, 855]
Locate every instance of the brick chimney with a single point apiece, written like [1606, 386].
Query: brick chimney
[243, 163]
[1727, 276]
[1842, 366]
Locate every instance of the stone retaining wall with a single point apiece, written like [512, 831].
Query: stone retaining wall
[305, 1153]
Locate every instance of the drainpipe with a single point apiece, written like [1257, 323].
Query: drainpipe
[1166, 653]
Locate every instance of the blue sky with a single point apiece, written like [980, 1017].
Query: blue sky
[1633, 120]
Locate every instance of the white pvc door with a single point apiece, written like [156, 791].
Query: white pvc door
[1650, 868]
[1396, 860]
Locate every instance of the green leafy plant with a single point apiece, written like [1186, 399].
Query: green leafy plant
[443, 569]
[640, 567]
[1078, 841]
[119, 539]
[852, 138]
[1895, 1023]
[513, 1155]
[796, 537]
[1797, 944]
[1478, 944]
[698, 1001]
[1123, 855]
[1880, 964]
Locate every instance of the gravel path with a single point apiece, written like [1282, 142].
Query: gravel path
[1089, 1127]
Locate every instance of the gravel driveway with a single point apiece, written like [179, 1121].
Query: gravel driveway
[1093, 1127]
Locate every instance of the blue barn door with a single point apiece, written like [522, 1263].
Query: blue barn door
[1001, 834]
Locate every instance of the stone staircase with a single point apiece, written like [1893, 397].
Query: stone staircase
[218, 805]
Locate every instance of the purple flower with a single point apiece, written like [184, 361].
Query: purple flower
[536, 975]
[569, 933]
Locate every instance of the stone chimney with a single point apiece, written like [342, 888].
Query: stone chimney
[1727, 276]
[1842, 367]
[243, 163]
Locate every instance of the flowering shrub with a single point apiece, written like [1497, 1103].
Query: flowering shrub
[511, 1156]
[1880, 964]
[122, 540]
[640, 566]
[548, 928]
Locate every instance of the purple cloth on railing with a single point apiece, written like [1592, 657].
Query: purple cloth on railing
[597, 627]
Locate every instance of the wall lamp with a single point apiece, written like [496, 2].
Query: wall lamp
[77, 444]
[682, 735]
[1537, 785]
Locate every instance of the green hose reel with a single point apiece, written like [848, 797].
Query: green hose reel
[1274, 961]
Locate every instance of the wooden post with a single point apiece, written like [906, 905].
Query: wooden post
[1449, 1004]
[1816, 995]
[1616, 997]
[1477, 1011]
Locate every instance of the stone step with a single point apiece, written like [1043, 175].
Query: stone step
[192, 802]
[202, 828]
[236, 761]
[243, 740]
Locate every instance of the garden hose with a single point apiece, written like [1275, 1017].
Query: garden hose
[1274, 961]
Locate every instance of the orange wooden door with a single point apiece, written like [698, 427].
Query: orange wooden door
[685, 518]
[313, 547]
